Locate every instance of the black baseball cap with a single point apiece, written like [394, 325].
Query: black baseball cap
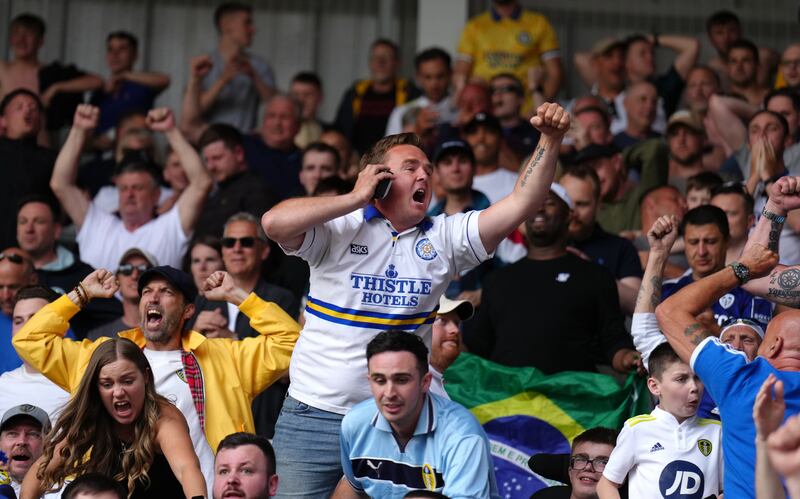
[182, 281]
[453, 147]
[595, 151]
[485, 120]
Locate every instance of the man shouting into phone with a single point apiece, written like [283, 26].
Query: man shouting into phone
[378, 263]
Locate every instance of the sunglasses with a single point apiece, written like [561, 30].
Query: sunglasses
[246, 242]
[13, 258]
[128, 268]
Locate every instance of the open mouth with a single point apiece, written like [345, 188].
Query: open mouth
[154, 318]
[23, 458]
[122, 408]
[419, 196]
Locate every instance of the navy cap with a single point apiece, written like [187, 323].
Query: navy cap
[595, 151]
[483, 119]
[182, 281]
[453, 146]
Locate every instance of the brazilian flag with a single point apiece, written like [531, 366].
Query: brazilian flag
[525, 412]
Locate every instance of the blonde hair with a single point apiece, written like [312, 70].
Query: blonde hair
[85, 431]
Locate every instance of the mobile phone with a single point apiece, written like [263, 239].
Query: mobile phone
[383, 189]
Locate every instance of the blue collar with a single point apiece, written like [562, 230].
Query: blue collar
[371, 212]
[425, 424]
[514, 15]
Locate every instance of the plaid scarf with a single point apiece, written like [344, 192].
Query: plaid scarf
[194, 377]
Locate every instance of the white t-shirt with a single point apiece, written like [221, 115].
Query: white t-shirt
[107, 197]
[20, 386]
[170, 382]
[495, 185]
[447, 112]
[103, 238]
[367, 278]
[665, 459]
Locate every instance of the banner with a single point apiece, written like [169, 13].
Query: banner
[525, 412]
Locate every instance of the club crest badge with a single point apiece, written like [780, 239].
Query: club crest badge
[425, 250]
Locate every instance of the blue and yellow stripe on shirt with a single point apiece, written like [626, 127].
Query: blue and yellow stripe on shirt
[367, 319]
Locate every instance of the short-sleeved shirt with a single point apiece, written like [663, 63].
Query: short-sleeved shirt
[237, 102]
[664, 458]
[21, 386]
[448, 453]
[735, 304]
[367, 278]
[130, 96]
[734, 383]
[103, 238]
[497, 45]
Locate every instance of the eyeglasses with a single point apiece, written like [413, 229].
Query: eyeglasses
[580, 461]
[127, 269]
[246, 242]
[512, 89]
[13, 258]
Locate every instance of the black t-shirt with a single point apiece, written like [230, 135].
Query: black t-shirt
[27, 169]
[615, 253]
[555, 315]
[670, 88]
[61, 109]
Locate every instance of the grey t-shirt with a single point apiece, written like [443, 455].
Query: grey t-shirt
[237, 102]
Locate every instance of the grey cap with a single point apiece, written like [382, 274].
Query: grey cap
[27, 410]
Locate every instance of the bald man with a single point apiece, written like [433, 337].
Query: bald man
[729, 377]
[790, 66]
[16, 271]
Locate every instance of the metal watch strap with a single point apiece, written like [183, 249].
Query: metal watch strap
[741, 271]
[773, 216]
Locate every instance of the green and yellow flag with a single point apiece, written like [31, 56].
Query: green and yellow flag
[525, 412]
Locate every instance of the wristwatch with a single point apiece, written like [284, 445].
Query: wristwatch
[778, 219]
[741, 271]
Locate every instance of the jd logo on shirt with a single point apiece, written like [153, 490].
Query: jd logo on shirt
[681, 479]
[359, 249]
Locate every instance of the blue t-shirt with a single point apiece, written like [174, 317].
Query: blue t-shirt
[448, 453]
[733, 383]
[130, 96]
[736, 303]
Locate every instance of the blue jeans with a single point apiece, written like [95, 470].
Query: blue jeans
[307, 451]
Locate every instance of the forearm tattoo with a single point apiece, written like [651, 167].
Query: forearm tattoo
[696, 333]
[774, 235]
[653, 290]
[783, 287]
[533, 163]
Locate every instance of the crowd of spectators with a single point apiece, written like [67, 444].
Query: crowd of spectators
[168, 314]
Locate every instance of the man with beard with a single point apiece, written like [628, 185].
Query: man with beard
[21, 439]
[575, 302]
[245, 467]
[587, 235]
[211, 381]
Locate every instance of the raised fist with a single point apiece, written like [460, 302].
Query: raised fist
[86, 117]
[551, 120]
[200, 66]
[100, 284]
[663, 233]
[785, 193]
[160, 119]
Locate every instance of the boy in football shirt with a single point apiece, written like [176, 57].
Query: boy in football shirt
[669, 452]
